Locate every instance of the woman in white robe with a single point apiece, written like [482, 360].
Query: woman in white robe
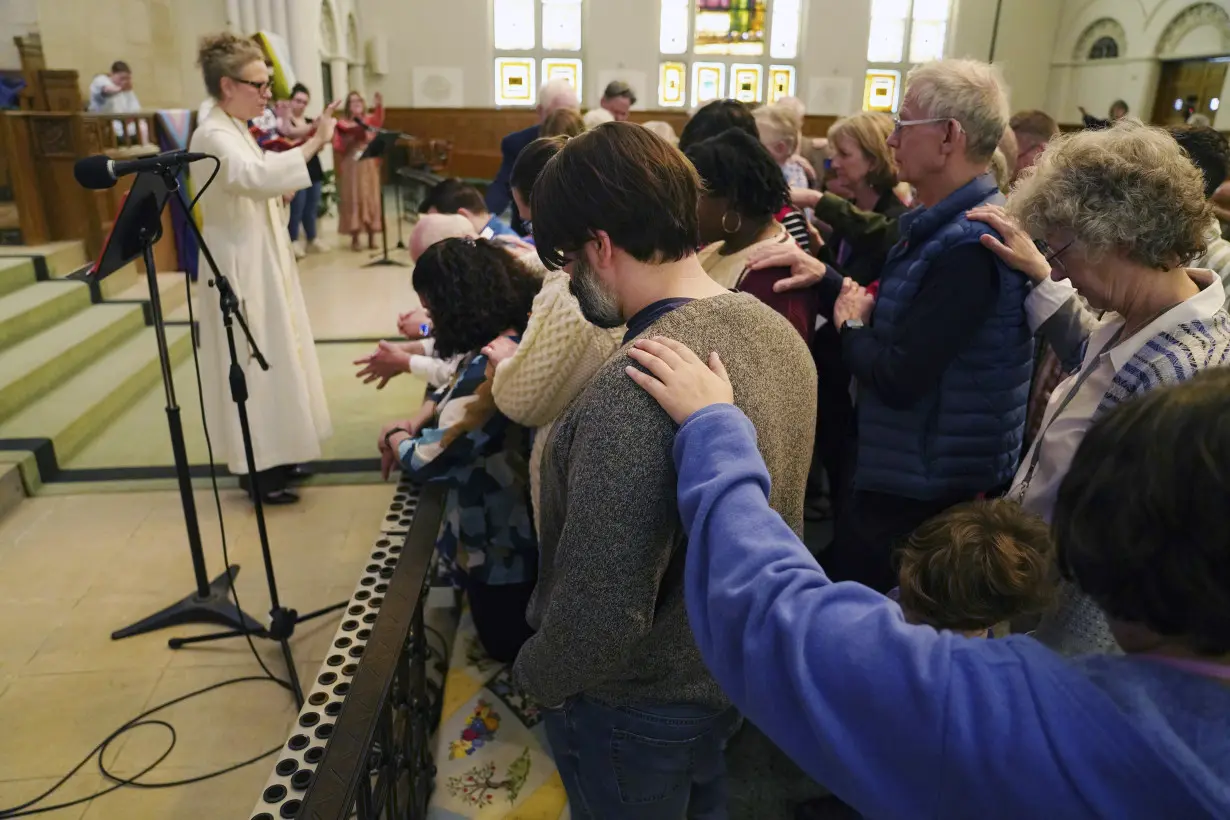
[245, 229]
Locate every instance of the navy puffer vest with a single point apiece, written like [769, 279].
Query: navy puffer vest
[964, 436]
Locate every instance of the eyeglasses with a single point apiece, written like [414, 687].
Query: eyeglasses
[1052, 256]
[899, 123]
[261, 87]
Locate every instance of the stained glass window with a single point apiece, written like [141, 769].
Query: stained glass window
[516, 24]
[745, 82]
[708, 82]
[672, 85]
[880, 90]
[784, 32]
[781, 82]
[730, 27]
[673, 36]
[514, 81]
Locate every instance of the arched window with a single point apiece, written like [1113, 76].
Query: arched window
[526, 61]
[1105, 48]
[735, 45]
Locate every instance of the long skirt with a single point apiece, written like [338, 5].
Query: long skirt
[358, 185]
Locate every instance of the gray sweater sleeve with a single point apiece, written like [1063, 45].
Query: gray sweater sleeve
[1067, 331]
[621, 531]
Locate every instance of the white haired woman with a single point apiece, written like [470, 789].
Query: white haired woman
[1118, 214]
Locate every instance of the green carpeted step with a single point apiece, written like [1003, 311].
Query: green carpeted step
[122, 281]
[171, 292]
[15, 274]
[37, 307]
[76, 411]
[62, 258]
[34, 367]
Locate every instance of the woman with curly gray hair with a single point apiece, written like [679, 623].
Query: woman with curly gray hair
[1118, 214]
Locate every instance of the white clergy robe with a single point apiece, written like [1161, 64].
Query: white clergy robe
[246, 231]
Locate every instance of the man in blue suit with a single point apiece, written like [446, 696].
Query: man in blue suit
[554, 95]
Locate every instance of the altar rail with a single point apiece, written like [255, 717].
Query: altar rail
[360, 745]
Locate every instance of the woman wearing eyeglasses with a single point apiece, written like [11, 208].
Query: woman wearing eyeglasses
[1118, 213]
[245, 227]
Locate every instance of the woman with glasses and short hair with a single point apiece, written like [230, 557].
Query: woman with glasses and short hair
[1118, 214]
[245, 227]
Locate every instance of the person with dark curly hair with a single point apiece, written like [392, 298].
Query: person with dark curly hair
[744, 190]
[713, 118]
[836, 676]
[475, 291]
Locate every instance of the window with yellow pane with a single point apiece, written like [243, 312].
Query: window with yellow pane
[743, 49]
[535, 41]
[903, 33]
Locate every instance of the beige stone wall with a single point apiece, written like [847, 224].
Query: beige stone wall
[158, 38]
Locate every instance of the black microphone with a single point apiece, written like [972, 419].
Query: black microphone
[100, 171]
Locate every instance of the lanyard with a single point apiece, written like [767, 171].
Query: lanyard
[1208, 669]
[1080, 380]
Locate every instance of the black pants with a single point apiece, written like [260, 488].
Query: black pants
[499, 617]
[868, 529]
[834, 416]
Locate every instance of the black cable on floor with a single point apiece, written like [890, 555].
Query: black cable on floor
[99, 751]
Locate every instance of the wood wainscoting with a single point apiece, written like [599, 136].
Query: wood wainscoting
[475, 133]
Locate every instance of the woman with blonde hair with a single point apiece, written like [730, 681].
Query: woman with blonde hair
[359, 187]
[1118, 214]
[564, 122]
[244, 225]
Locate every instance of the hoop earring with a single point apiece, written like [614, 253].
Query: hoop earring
[737, 226]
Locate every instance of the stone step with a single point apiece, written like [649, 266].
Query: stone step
[37, 307]
[15, 274]
[77, 410]
[33, 368]
[11, 490]
[60, 258]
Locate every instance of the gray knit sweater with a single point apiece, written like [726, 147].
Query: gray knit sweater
[609, 605]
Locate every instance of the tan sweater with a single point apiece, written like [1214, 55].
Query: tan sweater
[728, 270]
[559, 353]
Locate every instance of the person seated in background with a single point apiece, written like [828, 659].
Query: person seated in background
[1034, 131]
[417, 355]
[835, 675]
[459, 438]
[453, 196]
[1210, 153]
[943, 353]
[637, 727]
[743, 191]
[598, 116]
[112, 93]
[560, 351]
[554, 95]
[566, 122]
[1118, 111]
[618, 99]
[975, 566]
[662, 129]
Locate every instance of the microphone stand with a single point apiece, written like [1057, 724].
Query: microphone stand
[282, 620]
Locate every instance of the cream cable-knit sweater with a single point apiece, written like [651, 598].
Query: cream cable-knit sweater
[559, 353]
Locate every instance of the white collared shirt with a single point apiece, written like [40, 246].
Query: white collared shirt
[1062, 434]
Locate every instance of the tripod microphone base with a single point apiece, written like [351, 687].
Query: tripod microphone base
[386, 261]
[216, 608]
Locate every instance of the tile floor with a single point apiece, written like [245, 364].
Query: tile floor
[73, 568]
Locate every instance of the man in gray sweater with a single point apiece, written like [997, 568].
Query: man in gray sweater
[637, 725]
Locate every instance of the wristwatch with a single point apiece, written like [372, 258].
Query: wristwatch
[853, 324]
[389, 435]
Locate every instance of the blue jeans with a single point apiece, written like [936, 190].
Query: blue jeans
[648, 762]
[303, 210]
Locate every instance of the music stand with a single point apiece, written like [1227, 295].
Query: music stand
[137, 227]
[377, 148]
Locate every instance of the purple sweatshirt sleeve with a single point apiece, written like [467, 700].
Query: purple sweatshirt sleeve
[891, 717]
